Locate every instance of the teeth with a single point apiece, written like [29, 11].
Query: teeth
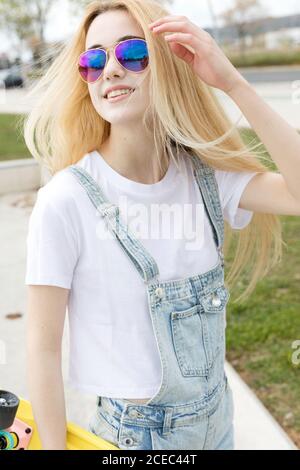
[119, 92]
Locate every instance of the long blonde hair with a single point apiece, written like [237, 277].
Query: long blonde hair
[64, 125]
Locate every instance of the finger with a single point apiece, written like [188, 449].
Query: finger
[173, 26]
[182, 52]
[182, 26]
[189, 39]
[167, 18]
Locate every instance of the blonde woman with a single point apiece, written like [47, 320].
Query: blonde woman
[146, 308]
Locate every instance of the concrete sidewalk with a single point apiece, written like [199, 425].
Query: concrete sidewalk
[254, 426]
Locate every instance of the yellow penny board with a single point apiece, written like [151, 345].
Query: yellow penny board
[77, 437]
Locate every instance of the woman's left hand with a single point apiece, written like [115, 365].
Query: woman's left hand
[208, 60]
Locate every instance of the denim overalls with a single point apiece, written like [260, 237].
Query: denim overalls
[193, 408]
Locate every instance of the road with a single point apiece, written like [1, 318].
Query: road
[271, 74]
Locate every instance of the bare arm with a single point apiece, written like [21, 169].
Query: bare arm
[276, 193]
[46, 308]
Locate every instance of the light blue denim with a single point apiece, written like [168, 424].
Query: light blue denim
[193, 408]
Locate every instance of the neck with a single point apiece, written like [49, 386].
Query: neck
[134, 157]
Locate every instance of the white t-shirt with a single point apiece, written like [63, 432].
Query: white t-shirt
[113, 351]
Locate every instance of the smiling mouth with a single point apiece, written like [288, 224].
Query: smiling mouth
[118, 96]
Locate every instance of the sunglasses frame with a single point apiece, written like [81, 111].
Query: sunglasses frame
[106, 57]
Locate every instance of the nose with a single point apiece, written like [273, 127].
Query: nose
[112, 67]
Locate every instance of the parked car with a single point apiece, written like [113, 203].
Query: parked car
[11, 77]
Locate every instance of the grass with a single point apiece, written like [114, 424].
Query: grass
[260, 332]
[12, 145]
[266, 58]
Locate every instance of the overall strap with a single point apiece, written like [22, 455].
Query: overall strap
[143, 261]
[207, 183]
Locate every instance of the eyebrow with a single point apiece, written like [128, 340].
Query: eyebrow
[118, 40]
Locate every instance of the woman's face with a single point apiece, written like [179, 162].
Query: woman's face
[106, 29]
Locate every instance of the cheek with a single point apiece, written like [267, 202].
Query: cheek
[92, 90]
[145, 94]
[144, 88]
[95, 94]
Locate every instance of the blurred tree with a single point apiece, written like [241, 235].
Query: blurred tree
[25, 19]
[240, 15]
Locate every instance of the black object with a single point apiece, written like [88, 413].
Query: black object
[9, 404]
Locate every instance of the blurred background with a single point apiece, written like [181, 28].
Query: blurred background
[252, 32]
[262, 39]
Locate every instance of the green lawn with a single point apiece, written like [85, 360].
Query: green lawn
[12, 145]
[266, 58]
[260, 332]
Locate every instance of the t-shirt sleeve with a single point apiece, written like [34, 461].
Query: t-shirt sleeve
[231, 186]
[52, 247]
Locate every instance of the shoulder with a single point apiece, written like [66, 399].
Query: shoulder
[62, 192]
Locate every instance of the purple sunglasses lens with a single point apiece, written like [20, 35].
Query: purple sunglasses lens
[91, 64]
[132, 54]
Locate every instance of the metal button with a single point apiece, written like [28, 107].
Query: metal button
[128, 441]
[216, 301]
[159, 292]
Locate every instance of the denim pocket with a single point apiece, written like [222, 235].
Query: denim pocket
[189, 341]
[199, 333]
